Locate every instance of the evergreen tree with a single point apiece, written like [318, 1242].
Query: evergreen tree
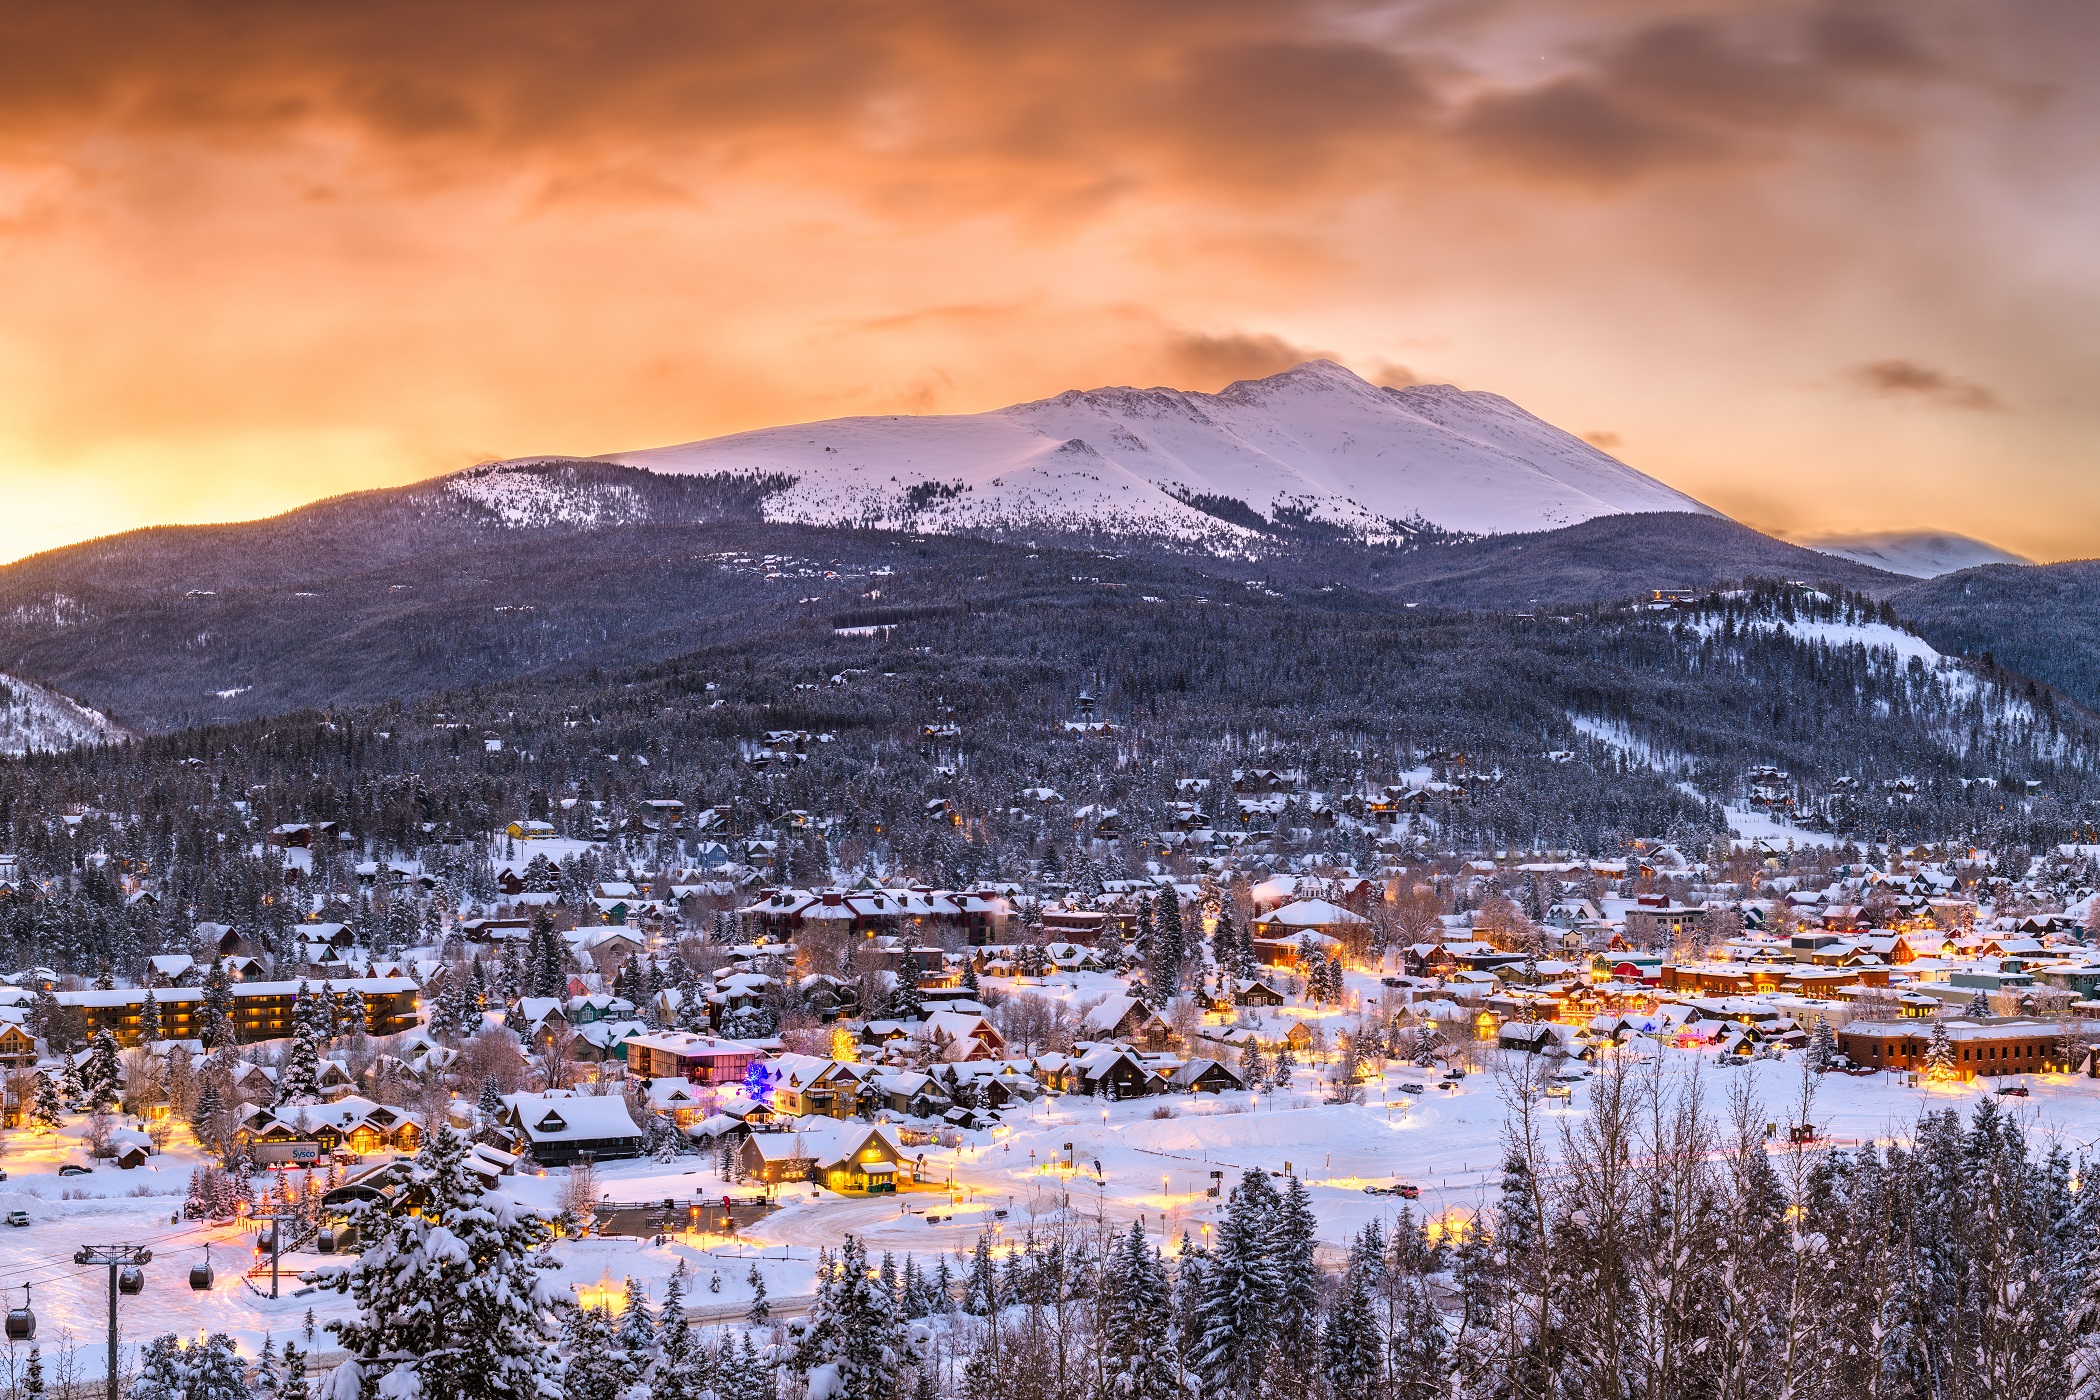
[1297, 1320]
[1350, 1343]
[490, 1104]
[44, 1106]
[1939, 1054]
[1979, 1004]
[299, 1077]
[548, 958]
[906, 1001]
[215, 1015]
[149, 1020]
[677, 1357]
[99, 1075]
[1242, 1293]
[1138, 1361]
[207, 1369]
[451, 1296]
[33, 1375]
[294, 1385]
[637, 1333]
[1822, 1048]
[266, 1383]
[596, 1370]
[1172, 942]
[852, 1345]
[981, 1284]
[760, 1313]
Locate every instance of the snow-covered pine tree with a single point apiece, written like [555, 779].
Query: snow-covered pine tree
[162, 1376]
[1190, 1270]
[1979, 1004]
[742, 1374]
[215, 1016]
[149, 1020]
[207, 1369]
[1285, 1066]
[596, 1370]
[1241, 1293]
[1297, 1321]
[452, 1298]
[1137, 1316]
[44, 1107]
[294, 1385]
[943, 1285]
[677, 1356]
[760, 1313]
[299, 1077]
[1822, 1048]
[1351, 1344]
[981, 1284]
[266, 1382]
[1939, 1053]
[1172, 942]
[637, 1332]
[99, 1074]
[852, 1346]
[907, 1003]
[490, 1104]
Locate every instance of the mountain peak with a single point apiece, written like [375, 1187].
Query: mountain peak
[1918, 553]
[1321, 374]
[1315, 442]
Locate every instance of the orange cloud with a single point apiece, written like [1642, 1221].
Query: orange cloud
[256, 253]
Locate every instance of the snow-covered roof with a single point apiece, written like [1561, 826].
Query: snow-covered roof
[582, 1118]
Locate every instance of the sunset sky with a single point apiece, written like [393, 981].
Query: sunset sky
[1824, 266]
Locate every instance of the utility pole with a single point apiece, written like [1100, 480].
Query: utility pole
[117, 1257]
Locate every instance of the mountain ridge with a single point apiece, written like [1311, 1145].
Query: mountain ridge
[1914, 553]
[1313, 443]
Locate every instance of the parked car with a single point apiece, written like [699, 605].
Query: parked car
[18, 1217]
[2014, 1091]
[74, 1169]
[1412, 1089]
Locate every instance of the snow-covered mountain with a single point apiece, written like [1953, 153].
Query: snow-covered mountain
[38, 719]
[1916, 553]
[1314, 444]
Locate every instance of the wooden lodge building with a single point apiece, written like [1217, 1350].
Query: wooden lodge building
[261, 1010]
[1982, 1046]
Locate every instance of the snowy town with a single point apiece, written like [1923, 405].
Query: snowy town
[1317, 700]
[702, 1092]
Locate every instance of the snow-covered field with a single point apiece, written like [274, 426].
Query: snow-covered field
[1447, 1142]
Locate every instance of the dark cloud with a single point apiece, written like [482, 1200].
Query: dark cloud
[1689, 92]
[1085, 96]
[1855, 37]
[1907, 379]
[1577, 132]
[1602, 438]
[1210, 362]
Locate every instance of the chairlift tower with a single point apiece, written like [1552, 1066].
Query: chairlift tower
[117, 1258]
